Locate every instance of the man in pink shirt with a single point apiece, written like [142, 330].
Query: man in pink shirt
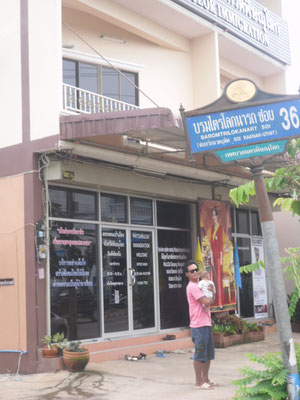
[201, 330]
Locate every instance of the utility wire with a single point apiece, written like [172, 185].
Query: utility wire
[108, 62]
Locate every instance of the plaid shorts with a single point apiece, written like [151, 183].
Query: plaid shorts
[204, 343]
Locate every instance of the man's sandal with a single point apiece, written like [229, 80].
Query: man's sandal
[204, 386]
[213, 383]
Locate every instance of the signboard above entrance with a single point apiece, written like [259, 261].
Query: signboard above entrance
[248, 20]
[244, 126]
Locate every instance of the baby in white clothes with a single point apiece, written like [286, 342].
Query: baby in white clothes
[206, 285]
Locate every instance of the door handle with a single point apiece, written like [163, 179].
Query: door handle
[132, 277]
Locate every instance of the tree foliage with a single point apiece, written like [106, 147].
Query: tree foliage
[268, 382]
[285, 179]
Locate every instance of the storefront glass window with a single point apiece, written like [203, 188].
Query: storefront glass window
[113, 208]
[246, 293]
[173, 252]
[255, 224]
[232, 220]
[242, 221]
[173, 215]
[75, 204]
[74, 279]
[128, 271]
[140, 211]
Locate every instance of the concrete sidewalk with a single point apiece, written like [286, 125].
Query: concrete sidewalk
[166, 378]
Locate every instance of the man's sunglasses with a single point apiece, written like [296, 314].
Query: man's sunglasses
[192, 271]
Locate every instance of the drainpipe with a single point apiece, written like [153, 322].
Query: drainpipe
[20, 352]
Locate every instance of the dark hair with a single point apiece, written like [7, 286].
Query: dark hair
[215, 210]
[188, 263]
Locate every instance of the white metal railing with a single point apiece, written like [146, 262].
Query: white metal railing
[82, 101]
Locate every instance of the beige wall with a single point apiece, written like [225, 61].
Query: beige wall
[205, 67]
[165, 74]
[288, 236]
[10, 77]
[276, 83]
[172, 69]
[12, 256]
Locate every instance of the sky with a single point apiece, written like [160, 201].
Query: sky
[291, 13]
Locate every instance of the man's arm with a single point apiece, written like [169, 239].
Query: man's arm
[206, 301]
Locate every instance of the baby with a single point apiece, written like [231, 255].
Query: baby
[206, 285]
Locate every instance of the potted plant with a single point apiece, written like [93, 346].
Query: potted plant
[227, 330]
[231, 329]
[254, 332]
[49, 350]
[75, 357]
[59, 340]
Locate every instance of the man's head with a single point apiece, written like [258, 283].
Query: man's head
[191, 270]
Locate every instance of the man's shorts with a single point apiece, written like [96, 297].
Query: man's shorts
[204, 343]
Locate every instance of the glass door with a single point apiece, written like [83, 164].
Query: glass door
[142, 279]
[115, 280]
[128, 281]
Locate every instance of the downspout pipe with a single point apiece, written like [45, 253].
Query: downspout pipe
[14, 351]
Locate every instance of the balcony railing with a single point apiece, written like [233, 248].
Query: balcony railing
[76, 100]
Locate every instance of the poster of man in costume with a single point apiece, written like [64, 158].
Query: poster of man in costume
[217, 251]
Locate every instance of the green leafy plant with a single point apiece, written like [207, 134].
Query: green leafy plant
[76, 347]
[285, 179]
[265, 383]
[59, 340]
[252, 326]
[228, 324]
[225, 329]
[47, 341]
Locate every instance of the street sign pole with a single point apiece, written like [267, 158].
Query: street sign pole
[275, 276]
[246, 123]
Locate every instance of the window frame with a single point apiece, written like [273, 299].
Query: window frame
[100, 78]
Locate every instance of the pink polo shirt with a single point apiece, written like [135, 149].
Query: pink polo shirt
[199, 316]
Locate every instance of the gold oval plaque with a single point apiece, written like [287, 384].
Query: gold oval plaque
[240, 90]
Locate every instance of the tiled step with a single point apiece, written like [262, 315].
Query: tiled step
[115, 349]
[135, 347]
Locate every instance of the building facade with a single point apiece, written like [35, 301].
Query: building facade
[100, 203]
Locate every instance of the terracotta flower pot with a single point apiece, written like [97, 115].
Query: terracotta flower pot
[50, 352]
[76, 361]
[221, 340]
[255, 336]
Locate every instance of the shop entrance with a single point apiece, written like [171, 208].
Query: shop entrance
[128, 280]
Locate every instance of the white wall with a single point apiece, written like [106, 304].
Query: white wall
[10, 77]
[45, 67]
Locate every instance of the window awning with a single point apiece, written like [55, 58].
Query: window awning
[153, 125]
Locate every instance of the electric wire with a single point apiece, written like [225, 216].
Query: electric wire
[109, 63]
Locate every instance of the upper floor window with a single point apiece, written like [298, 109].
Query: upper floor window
[102, 80]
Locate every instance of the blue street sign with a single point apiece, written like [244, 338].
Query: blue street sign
[256, 150]
[244, 126]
